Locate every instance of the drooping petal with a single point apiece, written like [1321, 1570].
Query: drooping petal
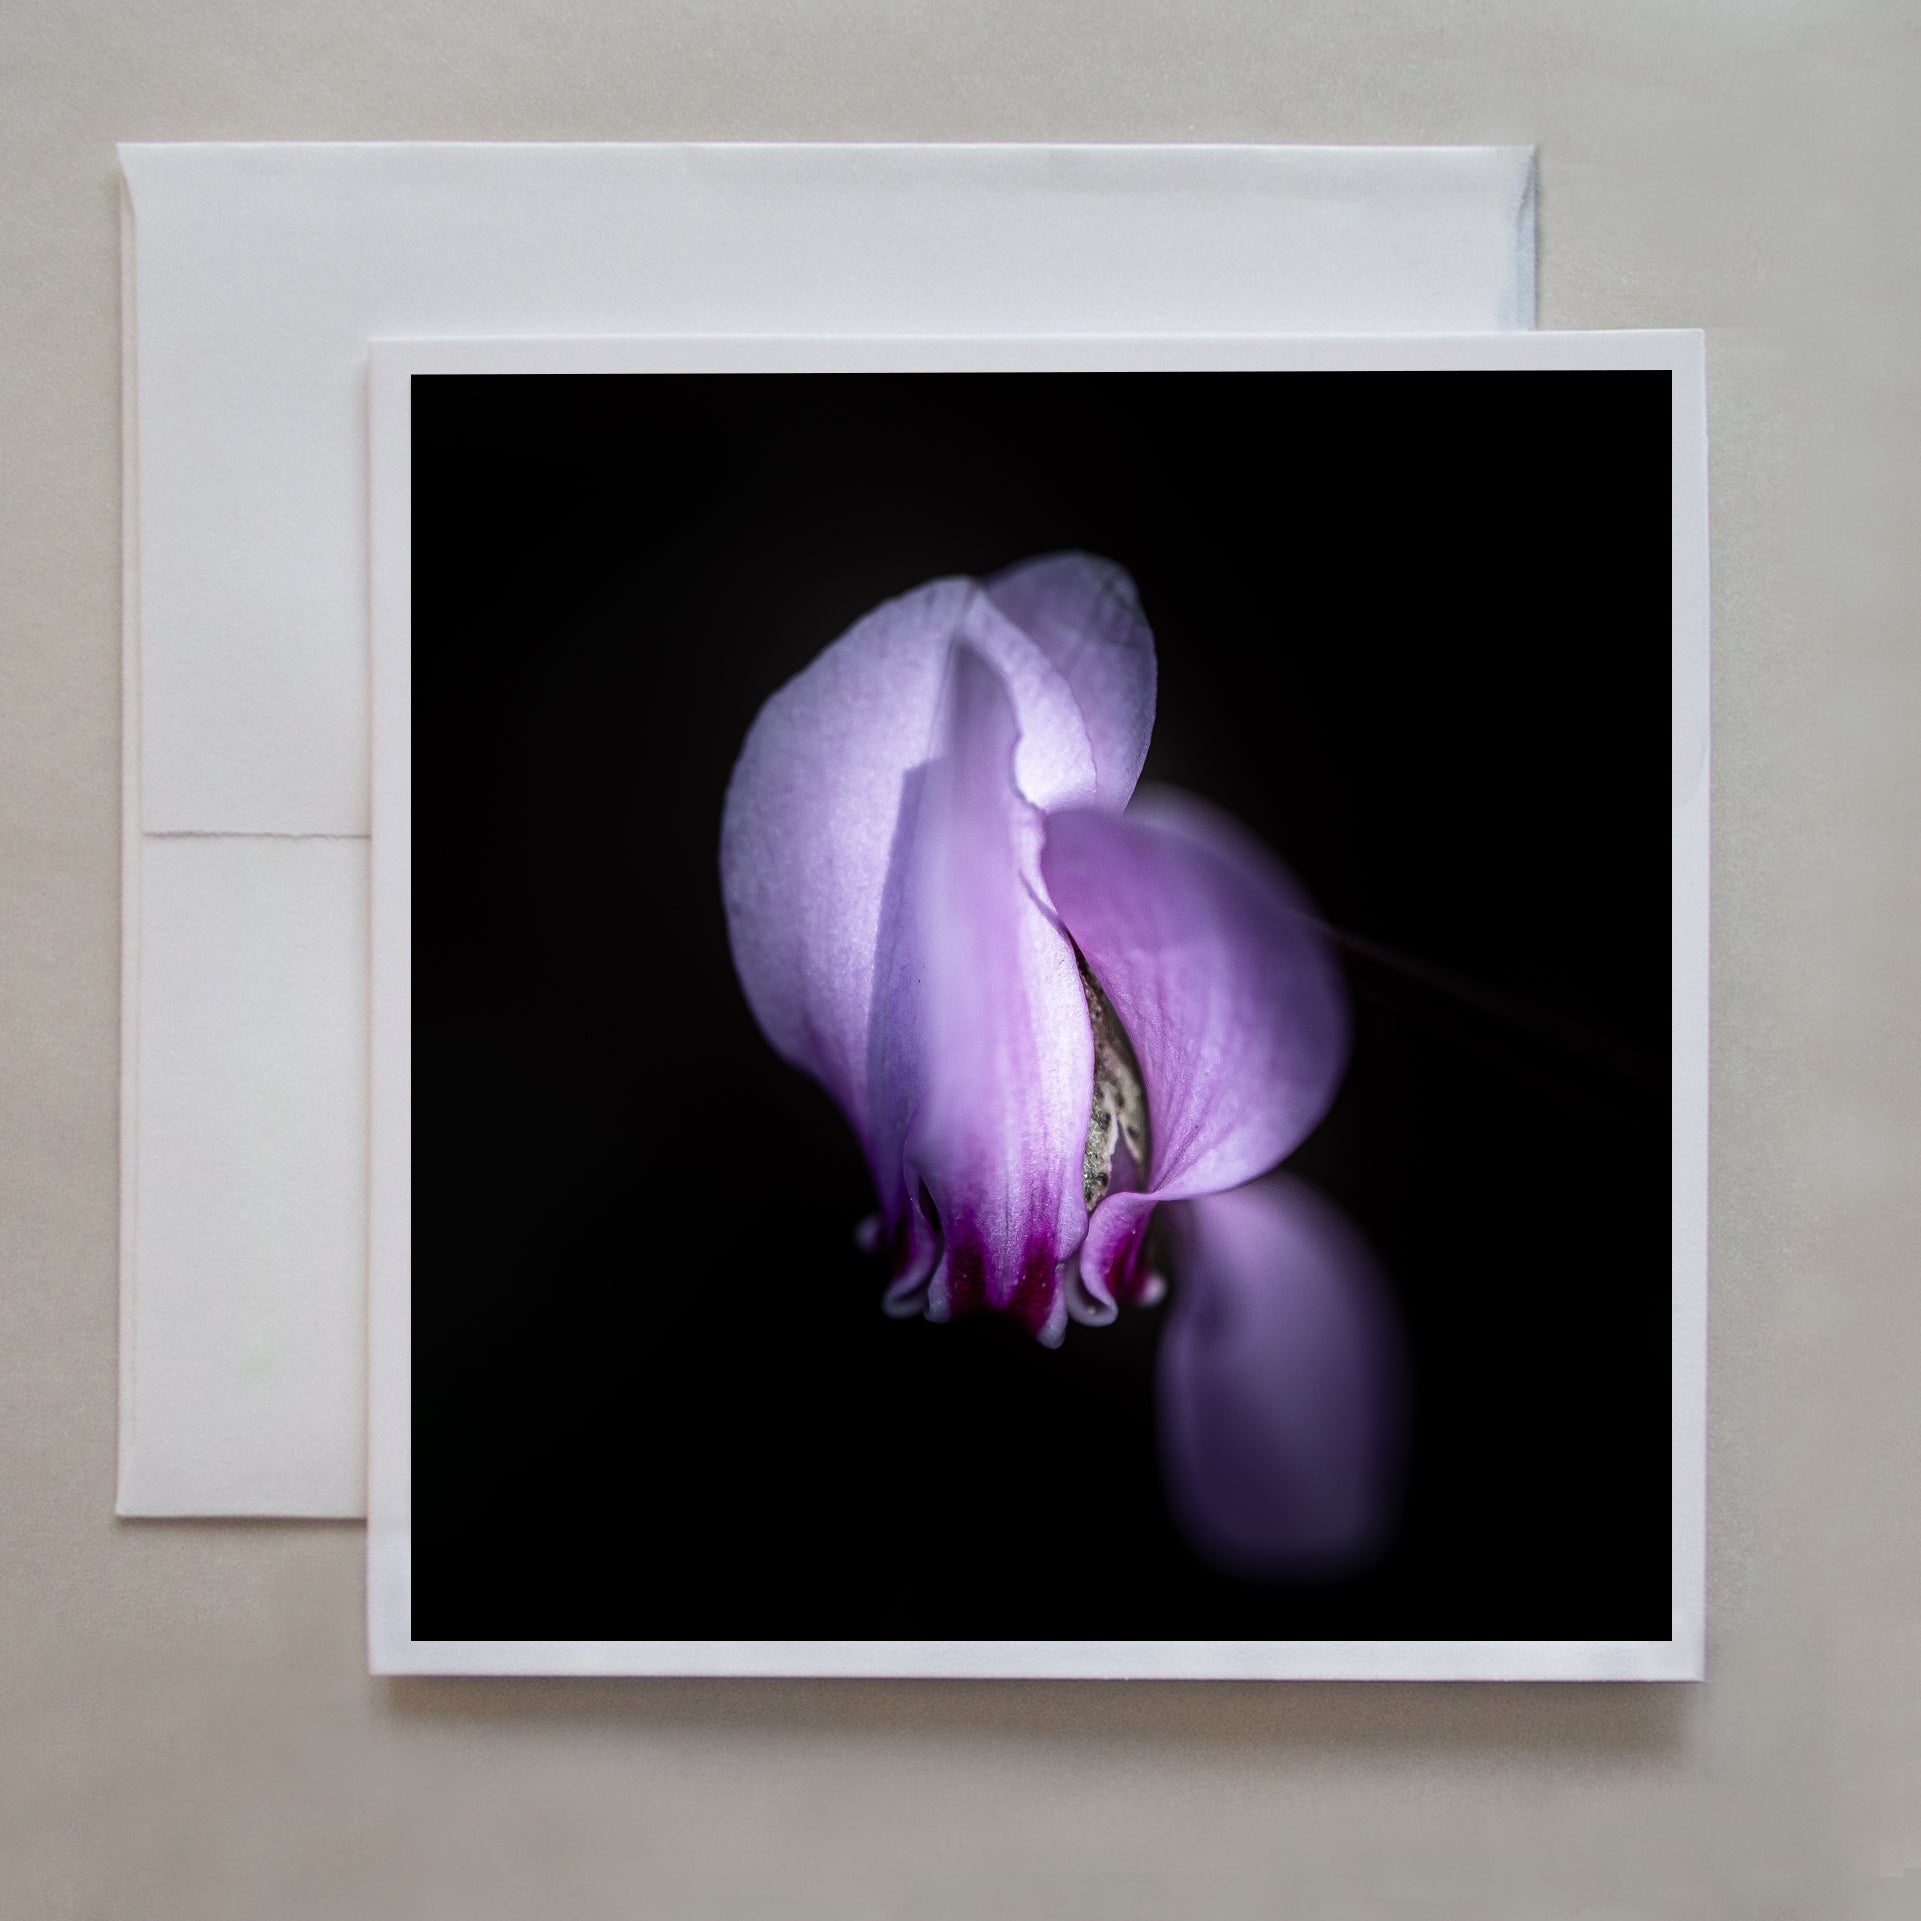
[809, 823]
[1281, 1385]
[1225, 986]
[982, 1054]
[1086, 615]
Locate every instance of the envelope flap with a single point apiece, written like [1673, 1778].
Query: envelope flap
[261, 271]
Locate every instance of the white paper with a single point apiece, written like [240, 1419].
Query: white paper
[251, 1187]
[392, 1647]
[255, 276]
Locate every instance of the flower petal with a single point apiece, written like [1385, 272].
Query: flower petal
[983, 1056]
[1281, 1387]
[809, 823]
[1225, 986]
[1085, 614]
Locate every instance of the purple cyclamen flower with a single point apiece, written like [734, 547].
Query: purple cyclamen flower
[1052, 1008]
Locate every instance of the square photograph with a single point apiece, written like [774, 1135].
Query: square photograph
[1042, 1004]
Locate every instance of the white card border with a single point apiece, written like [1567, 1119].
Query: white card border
[392, 1649]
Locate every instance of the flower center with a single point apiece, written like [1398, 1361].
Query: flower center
[1116, 1159]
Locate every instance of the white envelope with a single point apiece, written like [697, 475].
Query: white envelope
[254, 276]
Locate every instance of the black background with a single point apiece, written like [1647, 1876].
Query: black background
[1413, 629]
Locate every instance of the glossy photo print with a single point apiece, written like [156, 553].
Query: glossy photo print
[1040, 1010]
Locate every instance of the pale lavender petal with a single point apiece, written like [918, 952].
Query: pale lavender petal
[1225, 985]
[983, 1056]
[1086, 614]
[1281, 1384]
[811, 812]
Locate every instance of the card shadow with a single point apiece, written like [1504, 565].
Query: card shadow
[1599, 1721]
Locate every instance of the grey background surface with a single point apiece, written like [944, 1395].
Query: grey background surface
[186, 1726]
